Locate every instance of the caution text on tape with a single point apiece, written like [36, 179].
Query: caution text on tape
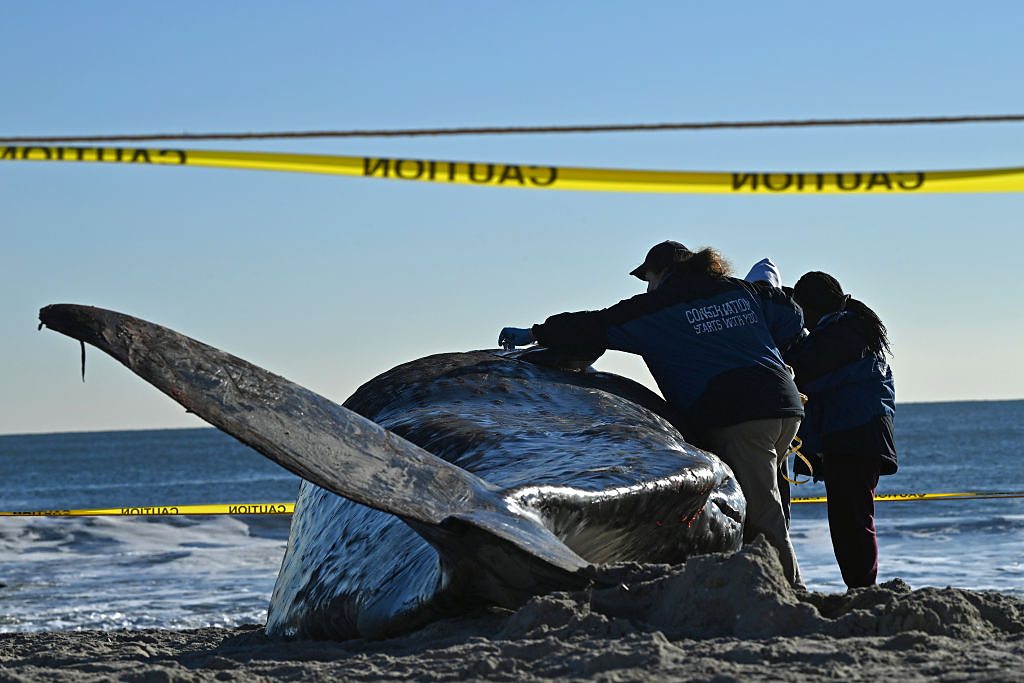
[158, 510]
[289, 508]
[546, 177]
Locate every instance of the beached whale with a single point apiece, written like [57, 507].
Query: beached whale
[447, 484]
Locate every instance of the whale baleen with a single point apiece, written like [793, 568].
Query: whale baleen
[450, 483]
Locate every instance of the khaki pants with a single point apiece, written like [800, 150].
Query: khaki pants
[753, 450]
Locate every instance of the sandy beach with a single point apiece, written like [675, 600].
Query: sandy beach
[716, 618]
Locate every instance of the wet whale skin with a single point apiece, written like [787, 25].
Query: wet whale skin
[592, 455]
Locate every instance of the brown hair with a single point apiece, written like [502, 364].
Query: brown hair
[708, 262]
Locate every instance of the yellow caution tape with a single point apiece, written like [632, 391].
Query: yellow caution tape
[289, 508]
[546, 177]
[900, 497]
[229, 509]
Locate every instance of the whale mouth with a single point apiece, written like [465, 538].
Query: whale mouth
[87, 324]
[97, 327]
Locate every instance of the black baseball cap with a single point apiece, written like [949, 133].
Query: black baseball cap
[661, 256]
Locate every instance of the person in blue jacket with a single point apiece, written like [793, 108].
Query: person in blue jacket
[712, 343]
[848, 430]
[765, 270]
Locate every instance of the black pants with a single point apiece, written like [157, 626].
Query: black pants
[850, 484]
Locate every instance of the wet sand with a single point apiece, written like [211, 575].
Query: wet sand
[717, 618]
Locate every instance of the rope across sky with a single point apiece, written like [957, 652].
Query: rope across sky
[531, 130]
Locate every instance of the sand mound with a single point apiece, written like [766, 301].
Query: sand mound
[745, 596]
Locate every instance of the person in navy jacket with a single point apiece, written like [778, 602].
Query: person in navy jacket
[765, 270]
[848, 430]
[712, 343]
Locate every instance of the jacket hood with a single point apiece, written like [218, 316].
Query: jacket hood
[767, 271]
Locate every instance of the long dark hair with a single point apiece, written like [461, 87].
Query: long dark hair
[821, 293]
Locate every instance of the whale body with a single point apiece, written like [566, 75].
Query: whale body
[447, 484]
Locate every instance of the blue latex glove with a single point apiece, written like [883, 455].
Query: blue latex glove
[511, 337]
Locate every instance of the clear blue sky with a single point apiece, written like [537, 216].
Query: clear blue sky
[329, 281]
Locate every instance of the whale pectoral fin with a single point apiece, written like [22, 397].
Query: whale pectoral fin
[300, 430]
[306, 433]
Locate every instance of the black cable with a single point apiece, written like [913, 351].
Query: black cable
[530, 130]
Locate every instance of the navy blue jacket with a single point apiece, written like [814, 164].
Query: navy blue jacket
[711, 344]
[851, 393]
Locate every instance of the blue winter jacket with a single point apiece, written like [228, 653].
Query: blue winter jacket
[711, 344]
[851, 393]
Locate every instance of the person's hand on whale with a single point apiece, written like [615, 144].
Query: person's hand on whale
[511, 337]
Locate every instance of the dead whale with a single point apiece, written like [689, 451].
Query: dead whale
[446, 484]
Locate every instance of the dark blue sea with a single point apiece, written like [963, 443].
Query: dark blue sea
[183, 572]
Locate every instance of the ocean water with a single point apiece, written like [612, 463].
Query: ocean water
[943, 447]
[182, 572]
